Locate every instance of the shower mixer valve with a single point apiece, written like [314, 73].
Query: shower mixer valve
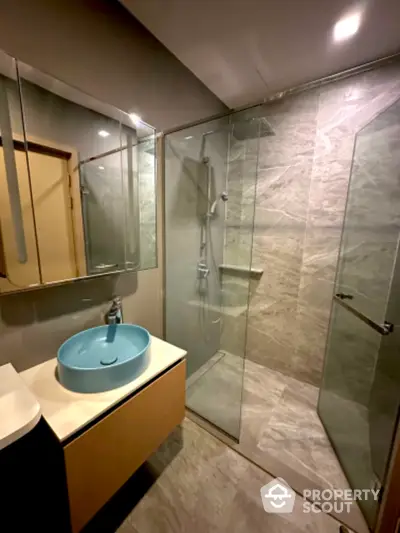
[202, 270]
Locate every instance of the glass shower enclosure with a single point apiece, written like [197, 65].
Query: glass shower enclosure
[210, 192]
[210, 185]
[359, 396]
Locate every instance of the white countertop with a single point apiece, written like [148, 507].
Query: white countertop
[19, 409]
[67, 412]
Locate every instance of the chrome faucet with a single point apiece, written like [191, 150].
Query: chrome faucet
[114, 314]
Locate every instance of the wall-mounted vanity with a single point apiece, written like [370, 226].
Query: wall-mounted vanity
[77, 200]
[64, 454]
[77, 183]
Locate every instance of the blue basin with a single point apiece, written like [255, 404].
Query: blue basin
[103, 358]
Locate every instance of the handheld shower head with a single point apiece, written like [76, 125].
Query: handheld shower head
[224, 197]
[213, 208]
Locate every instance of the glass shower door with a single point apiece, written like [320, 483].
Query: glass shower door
[210, 174]
[359, 398]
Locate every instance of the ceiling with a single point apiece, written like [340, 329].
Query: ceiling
[244, 50]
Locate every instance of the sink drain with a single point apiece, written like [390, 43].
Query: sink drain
[108, 360]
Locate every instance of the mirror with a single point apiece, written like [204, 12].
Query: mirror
[77, 183]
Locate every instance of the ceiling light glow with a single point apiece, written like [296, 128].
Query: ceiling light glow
[135, 119]
[103, 133]
[101, 167]
[347, 27]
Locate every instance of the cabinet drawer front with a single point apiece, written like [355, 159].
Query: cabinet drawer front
[101, 460]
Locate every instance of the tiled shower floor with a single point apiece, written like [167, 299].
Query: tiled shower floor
[280, 429]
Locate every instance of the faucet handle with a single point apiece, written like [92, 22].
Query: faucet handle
[114, 314]
[116, 302]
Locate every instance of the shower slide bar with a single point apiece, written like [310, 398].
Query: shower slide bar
[384, 329]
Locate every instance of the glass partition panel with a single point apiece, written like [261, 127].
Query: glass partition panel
[359, 400]
[372, 220]
[210, 175]
[237, 281]
[352, 354]
[195, 177]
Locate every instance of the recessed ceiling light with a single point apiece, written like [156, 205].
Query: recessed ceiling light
[188, 137]
[101, 167]
[135, 119]
[103, 133]
[346, 27]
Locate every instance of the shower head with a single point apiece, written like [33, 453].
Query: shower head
[243, 127]
[250, 128]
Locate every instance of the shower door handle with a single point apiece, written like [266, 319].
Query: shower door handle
[384, 329]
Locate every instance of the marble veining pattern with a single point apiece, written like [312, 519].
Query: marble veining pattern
[279, 416]
[303, 177]
[277, 423]
[196, 483]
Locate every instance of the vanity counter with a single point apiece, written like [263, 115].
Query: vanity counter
[20, 412]
[68, 412]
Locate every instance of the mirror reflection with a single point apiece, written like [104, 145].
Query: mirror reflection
[77, 183]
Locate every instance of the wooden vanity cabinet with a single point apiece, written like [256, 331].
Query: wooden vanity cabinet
[104, 457]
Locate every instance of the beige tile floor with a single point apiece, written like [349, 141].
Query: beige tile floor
[200, 485]
[197, 484]
[278, 416]
[279, 427]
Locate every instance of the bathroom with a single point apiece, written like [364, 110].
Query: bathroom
[260, 238]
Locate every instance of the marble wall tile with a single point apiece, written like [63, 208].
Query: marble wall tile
[303, 179]
[233, 334]
[281, 262]
[284, 170]
[293, 122]
[241, 188]
[273, 350]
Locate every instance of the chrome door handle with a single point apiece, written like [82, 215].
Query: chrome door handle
[383, 329]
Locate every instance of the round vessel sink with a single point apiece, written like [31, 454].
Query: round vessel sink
[103, 358]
